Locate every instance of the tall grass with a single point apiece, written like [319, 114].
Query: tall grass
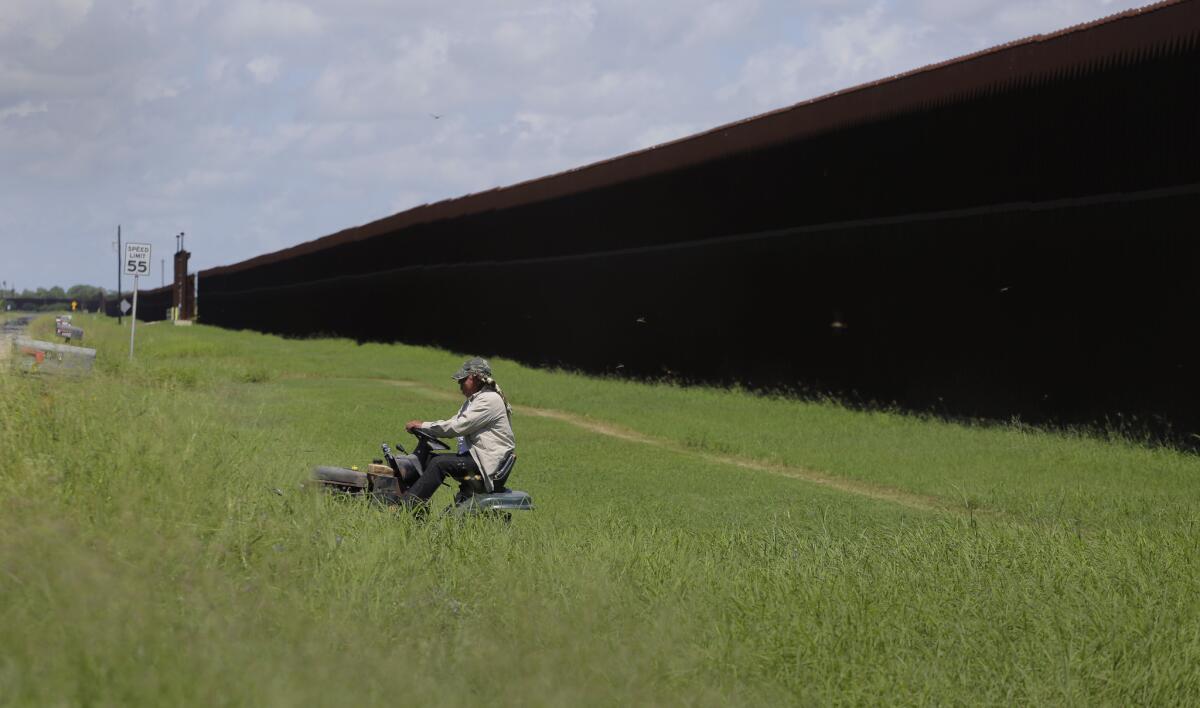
[156, 547]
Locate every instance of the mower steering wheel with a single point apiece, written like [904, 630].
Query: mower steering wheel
[429, 438]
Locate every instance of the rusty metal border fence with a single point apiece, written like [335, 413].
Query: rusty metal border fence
[1005, 234]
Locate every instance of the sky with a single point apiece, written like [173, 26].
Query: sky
[253, 125]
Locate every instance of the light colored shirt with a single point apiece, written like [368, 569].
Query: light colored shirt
[483, 426]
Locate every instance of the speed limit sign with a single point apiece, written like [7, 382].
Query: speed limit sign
[137, 263]
[137, 259]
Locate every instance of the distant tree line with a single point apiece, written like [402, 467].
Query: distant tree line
[78, 292]
[82, 293]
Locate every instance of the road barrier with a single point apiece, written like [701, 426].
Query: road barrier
[37, 356]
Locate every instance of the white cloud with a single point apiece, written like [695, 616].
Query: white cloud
[544, 31]
[718, 19]
[217, 69]
[46, 22]
[604, 90]
[410, 78]
[417, 64]
[203, 179]
[264, 69]
[154, 88]
[987, 22]
[683, 23]
[1027, 17]
[954, 10]
[850, 50]
[872, 45]
[22, 110]
[269, 18]
[776, 76]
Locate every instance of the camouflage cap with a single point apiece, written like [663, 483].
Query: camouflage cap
[474, 365]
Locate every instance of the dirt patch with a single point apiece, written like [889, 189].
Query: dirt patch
[865, 489]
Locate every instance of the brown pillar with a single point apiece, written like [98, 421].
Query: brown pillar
[183, 298]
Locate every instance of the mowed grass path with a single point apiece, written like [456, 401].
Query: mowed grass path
[156, 546]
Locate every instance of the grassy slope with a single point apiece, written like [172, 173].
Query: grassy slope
[145, 558]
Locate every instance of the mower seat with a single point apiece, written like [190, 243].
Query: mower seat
[474, 497]
[477, 484]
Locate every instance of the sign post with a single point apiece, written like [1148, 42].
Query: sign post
[137, 262]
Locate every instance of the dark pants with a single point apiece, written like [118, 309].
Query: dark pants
[437, 469]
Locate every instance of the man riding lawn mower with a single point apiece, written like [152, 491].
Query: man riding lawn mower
[481, 465]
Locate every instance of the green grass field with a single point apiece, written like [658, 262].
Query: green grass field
[690, 546]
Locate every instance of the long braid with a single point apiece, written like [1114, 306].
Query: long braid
[490, 383]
